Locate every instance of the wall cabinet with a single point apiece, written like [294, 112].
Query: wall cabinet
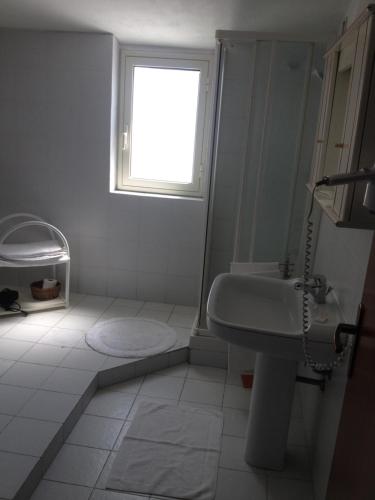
[345, 134]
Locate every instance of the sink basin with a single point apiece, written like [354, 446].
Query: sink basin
[265, 314]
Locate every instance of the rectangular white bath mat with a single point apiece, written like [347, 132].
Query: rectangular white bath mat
[171, 452]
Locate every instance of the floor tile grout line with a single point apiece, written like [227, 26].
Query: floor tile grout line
[45, 364]
[50, 390]
[10, 326]
[101, 315]
[137, 394]
[64, 328]
[122, 427]
[41, 387]
[102, 469]
[27, 400]
[39, 419]
[63, 482]
[91, 495]
[22, 340]
[29, 386]
[171, 312]
[65, 313]
[102, 416]
[55, 367]
[72, 483]
[39, 457]
[9, 367]
[6, 425]
[35, 418]
[110, 450]
[261, 473]
[182, 390]
[184, 378]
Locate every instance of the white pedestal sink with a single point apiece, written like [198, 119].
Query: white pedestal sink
[264, 314]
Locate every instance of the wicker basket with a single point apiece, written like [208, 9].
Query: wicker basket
[40, 293]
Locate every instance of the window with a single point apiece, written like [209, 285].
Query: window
[163, 122]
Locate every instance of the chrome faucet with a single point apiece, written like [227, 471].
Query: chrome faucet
[316, 286]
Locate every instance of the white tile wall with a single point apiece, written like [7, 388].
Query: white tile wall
[56, 93]
[122, 283]
[182, 289]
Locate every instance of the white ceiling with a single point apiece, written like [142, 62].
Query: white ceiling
[189, 23]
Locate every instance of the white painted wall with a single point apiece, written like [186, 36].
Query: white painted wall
[56, 96]
[342, 256]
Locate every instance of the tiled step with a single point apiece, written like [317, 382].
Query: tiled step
[32, 438]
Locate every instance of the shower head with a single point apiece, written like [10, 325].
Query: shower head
[367, 175]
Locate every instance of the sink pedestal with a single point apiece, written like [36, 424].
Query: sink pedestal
[264, 314]
[270, 410]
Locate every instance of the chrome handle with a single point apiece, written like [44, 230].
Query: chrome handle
[125, 142]
[347, 328]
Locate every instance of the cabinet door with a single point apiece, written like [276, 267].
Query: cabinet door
[330, 69]
[351, 70]
[344, 115]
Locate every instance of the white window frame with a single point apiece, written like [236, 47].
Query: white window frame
[163, 58]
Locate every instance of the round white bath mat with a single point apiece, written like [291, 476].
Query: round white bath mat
[131, 337]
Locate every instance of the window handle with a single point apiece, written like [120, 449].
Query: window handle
[125, 141]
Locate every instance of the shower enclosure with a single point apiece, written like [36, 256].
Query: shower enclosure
[266, 109]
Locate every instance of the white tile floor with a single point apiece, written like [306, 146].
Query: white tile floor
[81, 467]
[47, 372]
[43, 378]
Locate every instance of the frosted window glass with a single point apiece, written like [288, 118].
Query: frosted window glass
[165, 103]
